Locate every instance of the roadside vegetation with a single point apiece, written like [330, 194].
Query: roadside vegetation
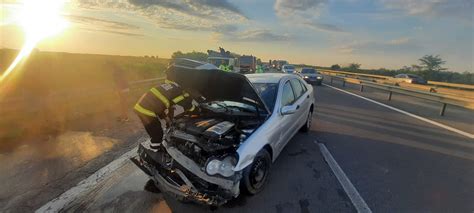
[52, 89]
[194, 55]
[430, 67]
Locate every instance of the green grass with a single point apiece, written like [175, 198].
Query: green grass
[44, 72]
[72, 77]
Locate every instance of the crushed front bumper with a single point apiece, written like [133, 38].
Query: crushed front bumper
[181, 177]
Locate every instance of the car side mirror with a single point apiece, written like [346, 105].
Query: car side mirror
[288, 110]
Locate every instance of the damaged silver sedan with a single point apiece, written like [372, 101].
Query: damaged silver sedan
[209, 156]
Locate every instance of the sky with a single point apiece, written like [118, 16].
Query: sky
[375, 33]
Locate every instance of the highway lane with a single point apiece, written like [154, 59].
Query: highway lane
[396, 162]
[300, 181]
[457, 117]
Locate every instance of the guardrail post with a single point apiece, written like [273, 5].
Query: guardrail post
[390, 96]
[443, 108]
[331, 80]
[361, 88]
[343, 83]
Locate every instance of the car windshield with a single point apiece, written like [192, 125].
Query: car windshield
[308, 71]
[267, 92]
[245, 60]
[289, 67]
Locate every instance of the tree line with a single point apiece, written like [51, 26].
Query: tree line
[430, 67]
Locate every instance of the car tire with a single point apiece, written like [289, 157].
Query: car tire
[307, 125]
[255, 176]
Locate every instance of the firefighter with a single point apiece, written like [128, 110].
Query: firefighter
[224, 67]
[157, 107]
[259, 69]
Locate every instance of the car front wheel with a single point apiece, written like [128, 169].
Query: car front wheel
[255, 176]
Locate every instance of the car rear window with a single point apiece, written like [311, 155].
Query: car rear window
[413, 76]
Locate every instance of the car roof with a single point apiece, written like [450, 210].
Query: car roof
[267, 77]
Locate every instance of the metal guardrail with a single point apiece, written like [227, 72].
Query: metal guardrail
[388, 78]
[355, 74]
[452, 85]
[443, 99]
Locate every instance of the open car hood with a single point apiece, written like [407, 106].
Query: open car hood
[213, 83]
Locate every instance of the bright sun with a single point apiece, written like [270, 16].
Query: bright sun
[39, 19]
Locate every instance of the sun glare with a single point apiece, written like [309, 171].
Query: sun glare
[39, 19]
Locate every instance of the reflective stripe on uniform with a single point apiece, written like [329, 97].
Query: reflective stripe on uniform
[178, 99]
[170, 82]
[192, 108]
[161, 97]
[144, 111]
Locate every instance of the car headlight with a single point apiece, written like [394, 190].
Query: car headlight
[223, 167]
[319, 77]
[305, 76]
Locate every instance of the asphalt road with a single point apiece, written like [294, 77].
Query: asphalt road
[396, 162]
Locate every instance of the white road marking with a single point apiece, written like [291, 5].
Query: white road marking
[87, 184]
[452, 129]
[350, 190]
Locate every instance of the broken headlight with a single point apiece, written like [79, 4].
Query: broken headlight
[224, 167]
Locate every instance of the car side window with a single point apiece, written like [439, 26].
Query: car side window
[303, 86]
[287, 97]
[296, 88]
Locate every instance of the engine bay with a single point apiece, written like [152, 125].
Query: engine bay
[210, 134]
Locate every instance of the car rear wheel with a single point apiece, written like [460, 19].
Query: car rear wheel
[255, 176]
[307, 125]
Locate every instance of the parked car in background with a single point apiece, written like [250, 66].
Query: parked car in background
[278, 64]
[229, 144]
[290, 69]
[311, 76]
[410, 78]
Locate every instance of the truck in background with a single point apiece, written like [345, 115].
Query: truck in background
[233, 62]
[247, 64]
[222, 57]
